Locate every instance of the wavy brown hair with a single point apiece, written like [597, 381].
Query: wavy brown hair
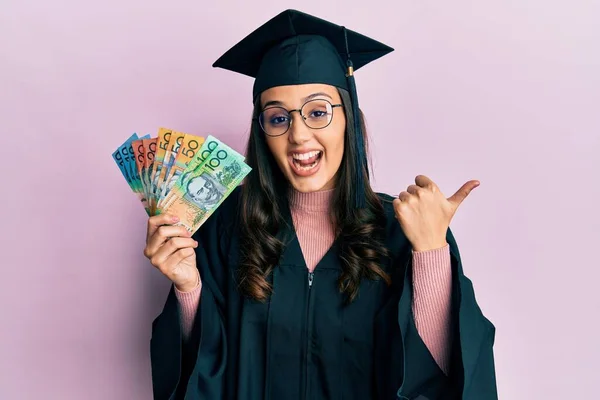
[264, 201]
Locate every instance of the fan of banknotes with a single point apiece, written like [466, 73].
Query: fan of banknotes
[188, 176]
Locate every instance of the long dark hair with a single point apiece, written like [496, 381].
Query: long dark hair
[264, 196]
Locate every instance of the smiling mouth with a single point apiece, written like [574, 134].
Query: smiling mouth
[306, 161]
[305, 164]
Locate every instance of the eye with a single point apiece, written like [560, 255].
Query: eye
[278, 120]
[317, 114]
[275, 116]
[316, 110]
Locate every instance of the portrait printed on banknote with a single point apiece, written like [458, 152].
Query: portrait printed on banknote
[204, 191]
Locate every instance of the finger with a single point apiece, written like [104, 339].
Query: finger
[414, 190]
[425, 182]
[158, 220]
[398, 205]
[175, 258]
[170, 247]
[161, 235]
[404, 197]
[462, 193]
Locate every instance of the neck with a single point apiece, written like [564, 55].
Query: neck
[319, 201]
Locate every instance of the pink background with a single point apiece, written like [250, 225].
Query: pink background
[507, 92]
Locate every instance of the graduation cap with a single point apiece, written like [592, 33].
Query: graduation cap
[296, 48]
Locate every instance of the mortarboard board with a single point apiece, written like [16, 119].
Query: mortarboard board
[296, 48]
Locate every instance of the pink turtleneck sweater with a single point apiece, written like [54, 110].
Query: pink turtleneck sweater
[432, 275]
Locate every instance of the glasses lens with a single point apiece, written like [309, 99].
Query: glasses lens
[317, 113]
[274, 121]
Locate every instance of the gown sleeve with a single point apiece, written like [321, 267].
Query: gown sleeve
[471, 364]
[194, 368]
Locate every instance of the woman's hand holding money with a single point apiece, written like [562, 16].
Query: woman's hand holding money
[171, 249]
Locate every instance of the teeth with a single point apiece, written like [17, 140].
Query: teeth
[305, 156]
[306, 167]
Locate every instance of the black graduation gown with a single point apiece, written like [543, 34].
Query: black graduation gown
[304, 343]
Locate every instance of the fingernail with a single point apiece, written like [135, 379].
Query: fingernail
[175, 218]
[195, 244]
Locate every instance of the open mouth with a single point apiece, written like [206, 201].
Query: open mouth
[305, 164]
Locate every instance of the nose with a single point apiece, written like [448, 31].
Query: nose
[299, 132]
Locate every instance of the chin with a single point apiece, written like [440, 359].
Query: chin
[310, 184]
[307, 187]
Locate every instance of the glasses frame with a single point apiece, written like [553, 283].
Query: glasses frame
[299, 110]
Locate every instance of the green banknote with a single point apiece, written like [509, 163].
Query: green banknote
[177, 189]
[200, 191]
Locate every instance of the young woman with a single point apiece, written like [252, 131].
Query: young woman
[305, 284]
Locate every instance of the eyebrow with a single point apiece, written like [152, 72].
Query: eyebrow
[304, 100]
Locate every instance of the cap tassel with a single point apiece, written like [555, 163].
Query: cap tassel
[362, 170]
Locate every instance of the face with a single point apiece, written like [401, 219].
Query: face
[309, 158]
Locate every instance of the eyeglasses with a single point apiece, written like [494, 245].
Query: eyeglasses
[316, 114]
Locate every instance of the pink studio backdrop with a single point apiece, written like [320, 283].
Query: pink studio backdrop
[507, 92]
